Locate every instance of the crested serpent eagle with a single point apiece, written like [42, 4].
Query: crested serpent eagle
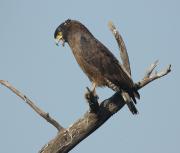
[97, 62]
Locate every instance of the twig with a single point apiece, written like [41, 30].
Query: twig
[149, 76]
[122, 47]
[150, 69]
[43, 114]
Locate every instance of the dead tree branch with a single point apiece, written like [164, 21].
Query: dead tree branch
[122, 47]
[150, 76]
[68, 138]
[43, 114]
[82, 128]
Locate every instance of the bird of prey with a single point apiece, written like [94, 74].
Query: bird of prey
[97, 62]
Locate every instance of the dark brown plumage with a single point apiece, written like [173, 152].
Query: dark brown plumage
[97, 62]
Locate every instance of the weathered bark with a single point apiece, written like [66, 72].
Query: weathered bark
[70, 137]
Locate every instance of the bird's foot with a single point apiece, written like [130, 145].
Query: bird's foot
[92, 99]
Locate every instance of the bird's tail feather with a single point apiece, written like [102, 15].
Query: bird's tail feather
[134, 94]
[129, 102]
[132, 107]
[128, 97]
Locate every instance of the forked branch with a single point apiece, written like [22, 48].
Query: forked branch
[150, 76]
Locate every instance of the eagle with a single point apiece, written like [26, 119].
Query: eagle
[97, 62]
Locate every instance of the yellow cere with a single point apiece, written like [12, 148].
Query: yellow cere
[59, 36]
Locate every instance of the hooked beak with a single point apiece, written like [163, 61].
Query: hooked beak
[59, 38]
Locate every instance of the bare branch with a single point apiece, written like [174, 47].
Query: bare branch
[122, 47]
[43, 114]
[150, 69]
[68, 138]
[82, 128]
[149, 77]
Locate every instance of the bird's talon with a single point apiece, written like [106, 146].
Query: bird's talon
[87, 95]
[96, 97]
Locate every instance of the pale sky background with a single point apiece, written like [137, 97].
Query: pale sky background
[50, 76]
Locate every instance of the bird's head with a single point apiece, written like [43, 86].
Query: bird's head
[67, 29]
[61, 32]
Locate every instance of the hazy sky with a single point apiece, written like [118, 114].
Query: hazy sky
[50, 76]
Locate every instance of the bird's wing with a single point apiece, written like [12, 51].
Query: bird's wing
[102, 60]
